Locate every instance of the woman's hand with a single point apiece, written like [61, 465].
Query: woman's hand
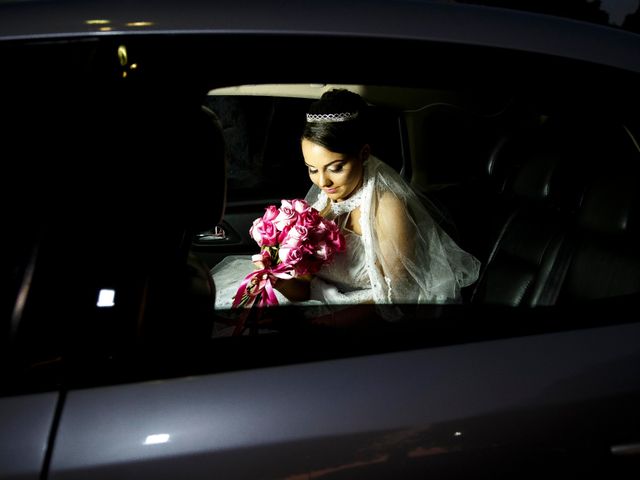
[295, 289]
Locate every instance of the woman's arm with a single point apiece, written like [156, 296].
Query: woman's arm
[396, 239]
[295, 289]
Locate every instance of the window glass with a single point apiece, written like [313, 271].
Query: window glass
[106, 290]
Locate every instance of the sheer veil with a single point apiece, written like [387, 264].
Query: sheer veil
[409, 257]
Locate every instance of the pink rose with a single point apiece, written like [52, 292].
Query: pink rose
[308, 266]
[270, 214]
[282, 236]
[290, 255]
[300, 206]
[336, 239]
[291, 241]
[264, 233]
[318, 232]
[331, 226]
[299, 232]
[310, 219]
[299, 236]
[323, 251]
[287, 215]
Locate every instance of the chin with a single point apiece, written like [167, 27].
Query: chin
[336, 197]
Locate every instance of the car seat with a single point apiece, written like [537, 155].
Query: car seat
[568, 232]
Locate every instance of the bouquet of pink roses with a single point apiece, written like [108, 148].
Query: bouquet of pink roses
[294, 241]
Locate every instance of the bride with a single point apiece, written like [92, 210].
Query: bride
[395, 253]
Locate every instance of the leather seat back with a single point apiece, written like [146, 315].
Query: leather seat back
[571, 232]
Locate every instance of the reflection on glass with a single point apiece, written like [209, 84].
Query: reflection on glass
[618, 10]
[157, 438]
[123, 57]
[139, 24]
[106, 297]
[98, 21]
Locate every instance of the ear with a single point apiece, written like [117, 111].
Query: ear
[365, 151]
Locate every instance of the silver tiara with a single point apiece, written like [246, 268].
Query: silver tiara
[330, 117]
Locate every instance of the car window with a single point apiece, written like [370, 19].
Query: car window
[500, 173]
[531, 172]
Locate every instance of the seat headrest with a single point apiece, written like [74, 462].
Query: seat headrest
[533, 179]
[600, 172]
[160, 164]
[610, 204]
[559, 160]
[524, 165]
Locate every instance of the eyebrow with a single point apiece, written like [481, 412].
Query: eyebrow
[328, 164]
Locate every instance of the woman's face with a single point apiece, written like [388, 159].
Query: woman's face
[337, 174]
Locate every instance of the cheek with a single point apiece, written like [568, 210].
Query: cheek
[352, 178]
[313, 178]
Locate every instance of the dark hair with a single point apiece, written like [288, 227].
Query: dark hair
[346, 137]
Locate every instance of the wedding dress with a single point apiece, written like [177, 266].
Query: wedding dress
[427, 266]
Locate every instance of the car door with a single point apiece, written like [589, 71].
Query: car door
[27, 422]
[560, 402]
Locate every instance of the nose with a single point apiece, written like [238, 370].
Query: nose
[325, 180]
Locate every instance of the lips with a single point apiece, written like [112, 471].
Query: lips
[330, 190]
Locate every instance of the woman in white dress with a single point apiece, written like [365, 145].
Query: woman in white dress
[396, 252]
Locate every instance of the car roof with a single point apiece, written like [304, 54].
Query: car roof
[400, 19]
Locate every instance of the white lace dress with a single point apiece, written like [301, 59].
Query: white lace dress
[345, 280]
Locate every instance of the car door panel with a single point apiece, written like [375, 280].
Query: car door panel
[26, 422]
[444, 410]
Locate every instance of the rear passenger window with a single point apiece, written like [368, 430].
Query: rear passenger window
[517, 184]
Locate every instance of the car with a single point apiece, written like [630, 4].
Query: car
[142, 140]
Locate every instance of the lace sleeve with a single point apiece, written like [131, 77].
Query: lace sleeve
[396, 235]
[316, 198]
[415, 260]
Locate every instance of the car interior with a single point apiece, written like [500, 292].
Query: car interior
[545, 198]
